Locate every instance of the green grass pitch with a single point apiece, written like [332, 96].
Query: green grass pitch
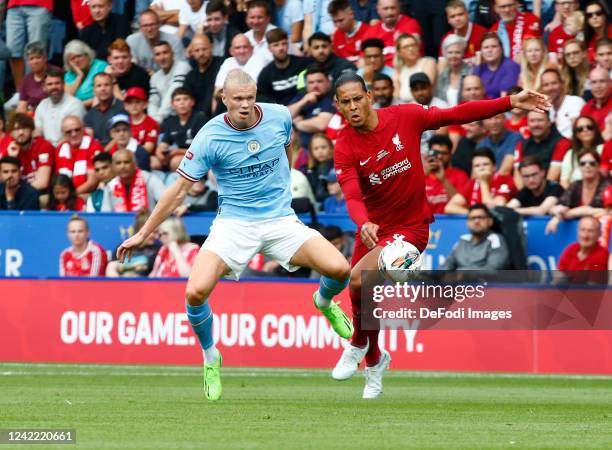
[153, 407]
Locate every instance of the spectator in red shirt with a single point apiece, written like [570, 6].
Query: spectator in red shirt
[84, 258]
[597, 25]
[81, 15]
[458, 18]
[177, 255]
[36, 154]
[63, 195]
[517, 121]
[442, 181]
[486, 186]
[564, 31]
[144, 128]
[513, 27]
[586, 253]
[601, 103]
[391, 26]
[349, 33]
[75, 153]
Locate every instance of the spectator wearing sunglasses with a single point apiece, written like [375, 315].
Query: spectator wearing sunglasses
[585, 135]
[583, 197]
[597, 25]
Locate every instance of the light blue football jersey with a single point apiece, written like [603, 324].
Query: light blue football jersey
[250, 165]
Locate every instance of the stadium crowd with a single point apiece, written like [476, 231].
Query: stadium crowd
[109, 95]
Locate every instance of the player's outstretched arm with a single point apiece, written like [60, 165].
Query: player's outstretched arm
[529, 100]
[472, 111]
[169, 201]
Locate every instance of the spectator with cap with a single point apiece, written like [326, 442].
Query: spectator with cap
[171, 75]
[142, 42]
[132, 189]
[373, 61]
[585, 253]
[105, 107]
[15, 193]
[81, 67]
[75, 153]
[144, 128]
[335, 203]
[31, 92]
[34, 152]
[59, 104]
[106, 27]
[481, 249]
[422, 93]
[121, 134]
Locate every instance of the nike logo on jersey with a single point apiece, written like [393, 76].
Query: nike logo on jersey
[363, 163]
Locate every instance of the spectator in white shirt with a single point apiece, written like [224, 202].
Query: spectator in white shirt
[170, 76]
[258, 21]
[565, 108]
[51, 111]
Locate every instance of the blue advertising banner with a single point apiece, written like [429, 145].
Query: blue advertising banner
[31, 242]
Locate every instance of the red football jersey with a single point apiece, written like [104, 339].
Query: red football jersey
[436, 193]
[520, 127]
[473, 37]
[524, 25]
[79, 205]
[47, 4]
[557, 39]
[41, 153]
[405, 25]
[501, 185]
[91, 263]
[381, 172]
[596, 260]
[145, 131]
[81, 14]
[598, 114]
[165, 265]
[75, 162]
[349, 46]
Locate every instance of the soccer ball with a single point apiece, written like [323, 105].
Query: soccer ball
[399, 260]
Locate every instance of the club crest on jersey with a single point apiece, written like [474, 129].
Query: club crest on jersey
[397, 142]
[253, 146]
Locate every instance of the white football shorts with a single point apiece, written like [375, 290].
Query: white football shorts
[237, 241]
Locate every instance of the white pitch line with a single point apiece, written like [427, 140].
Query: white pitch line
[29, 369]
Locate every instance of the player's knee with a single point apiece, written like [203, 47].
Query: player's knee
[195, 295]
